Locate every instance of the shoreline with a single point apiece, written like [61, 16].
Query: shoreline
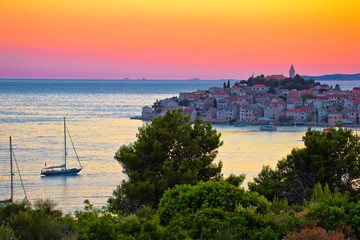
[227, 123]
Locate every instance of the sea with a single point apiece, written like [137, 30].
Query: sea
[98, 116]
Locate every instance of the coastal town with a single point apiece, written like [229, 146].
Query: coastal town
[269, 103]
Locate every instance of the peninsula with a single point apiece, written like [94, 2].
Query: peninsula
[274, 99]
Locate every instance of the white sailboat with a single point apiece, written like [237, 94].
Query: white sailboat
[62, 169]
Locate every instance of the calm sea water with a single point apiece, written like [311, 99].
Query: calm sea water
[97, 114]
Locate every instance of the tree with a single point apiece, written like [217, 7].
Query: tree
[331, 157]
[271, 90]
[214, 103]
[184, 103]
[169, 151]
[157, 106]
[210, 206]
[337, 87]
[308, 96]
[228, 84]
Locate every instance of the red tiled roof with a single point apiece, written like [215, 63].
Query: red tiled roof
[338, 95]
[221, 93]
[322, 97]
[278, 77]
[189, 110]
[236, 88]
[293, 110]
[232, 97]
[306, 110]
[259, 86]
[305, 91]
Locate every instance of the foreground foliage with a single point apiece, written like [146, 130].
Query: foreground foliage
[169, 151]
[20, 221]
[329, 157]
[200, 204]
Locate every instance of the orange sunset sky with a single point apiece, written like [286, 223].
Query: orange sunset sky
[177, 39]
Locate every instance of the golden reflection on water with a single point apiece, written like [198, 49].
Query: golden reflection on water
[245, 150]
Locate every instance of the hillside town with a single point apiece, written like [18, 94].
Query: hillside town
[321, 104]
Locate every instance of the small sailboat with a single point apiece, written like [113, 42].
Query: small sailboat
[62, 169]
[12, 155]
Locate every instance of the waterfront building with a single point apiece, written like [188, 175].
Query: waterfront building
[351, 114]
[250, 113]
[146, 112]
[210, 114]
[322, 114]
[227, 113]
[333, 118]
[293, 113]
[273, 111]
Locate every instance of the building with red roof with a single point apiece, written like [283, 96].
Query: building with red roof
[190, 112]
[235, 91]
[294, 93]
[221, 95]
[260, 88]
[277, 77]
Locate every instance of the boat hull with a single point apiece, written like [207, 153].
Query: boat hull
[240, 125]
[62, 172]
[268, 128]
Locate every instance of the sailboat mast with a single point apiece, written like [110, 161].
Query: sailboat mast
[65, 141]
[11, 172]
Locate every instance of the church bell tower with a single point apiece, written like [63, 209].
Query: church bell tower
[292, 71]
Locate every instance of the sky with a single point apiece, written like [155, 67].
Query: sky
[177, 39]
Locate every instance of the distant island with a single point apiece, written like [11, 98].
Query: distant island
[334, 77]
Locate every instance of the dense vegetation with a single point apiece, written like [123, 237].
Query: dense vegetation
[297, 82]
[169, 151]
[175, 191]
[329, 157]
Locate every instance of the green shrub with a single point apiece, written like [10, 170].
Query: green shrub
[35, 225]
[9, 210]
[6, 233]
